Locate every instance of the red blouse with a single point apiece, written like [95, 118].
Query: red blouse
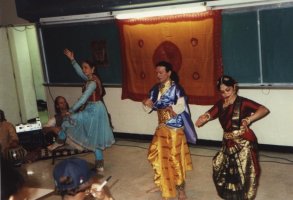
[247, 108]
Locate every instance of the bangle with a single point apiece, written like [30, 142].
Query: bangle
[208, 116]
[247, 119]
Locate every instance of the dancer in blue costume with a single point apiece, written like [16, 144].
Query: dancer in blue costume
[174, 93]
[88, 122]
[168, 153]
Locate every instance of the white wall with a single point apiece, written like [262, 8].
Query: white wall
[8, 93]
[21, 74]
[129, 117]
[22, 64]
[36, 62]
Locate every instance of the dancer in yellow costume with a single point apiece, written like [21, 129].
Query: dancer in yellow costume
[169, 153]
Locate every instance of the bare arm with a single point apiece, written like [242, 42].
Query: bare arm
[50, 126]
[259, 113]
[202, 120]
[148, 103]
[55, 130]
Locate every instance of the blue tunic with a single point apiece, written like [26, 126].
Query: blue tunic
[169, 98]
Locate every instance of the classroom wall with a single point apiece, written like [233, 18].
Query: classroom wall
[129, 117]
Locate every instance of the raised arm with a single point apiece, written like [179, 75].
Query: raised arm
[70, 55]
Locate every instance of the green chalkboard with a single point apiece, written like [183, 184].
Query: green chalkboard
[276, 30]
[83, 39]
[240, 46]
[259, 54]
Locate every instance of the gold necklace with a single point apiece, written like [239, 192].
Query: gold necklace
[165, 86]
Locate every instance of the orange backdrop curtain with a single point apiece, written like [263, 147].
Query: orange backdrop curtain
[190, 42]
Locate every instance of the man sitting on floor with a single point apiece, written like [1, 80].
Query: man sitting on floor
[53, 127]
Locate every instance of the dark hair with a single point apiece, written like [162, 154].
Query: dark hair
[2, 116]
[11, 179]
[168, 66]
[92, 65]
[226, 80]
[57, 109]
[89, 62]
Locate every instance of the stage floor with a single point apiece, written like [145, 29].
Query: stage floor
[132, 175]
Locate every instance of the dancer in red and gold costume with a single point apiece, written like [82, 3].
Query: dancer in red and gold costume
[235, 167]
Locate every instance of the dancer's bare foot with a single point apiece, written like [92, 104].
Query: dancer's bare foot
[152, 190]
[182, 195]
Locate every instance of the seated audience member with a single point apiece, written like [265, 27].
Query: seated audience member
[53, 127]
[12, 182]
[75, 181]
[8, 136]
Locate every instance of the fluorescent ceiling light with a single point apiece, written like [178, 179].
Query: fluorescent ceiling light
[230, 4]
[160, 11]
[77, 18]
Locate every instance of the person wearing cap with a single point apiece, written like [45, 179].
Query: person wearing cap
[235, 167]
[75, 181]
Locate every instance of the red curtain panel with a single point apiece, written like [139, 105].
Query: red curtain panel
[190, 42]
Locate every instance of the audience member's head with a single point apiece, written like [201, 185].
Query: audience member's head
[2, 116]
[12, 182]
[8, 137]
[74, 180]
[72, 176]
[60, 104]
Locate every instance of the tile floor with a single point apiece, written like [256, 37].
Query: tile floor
[132, 175]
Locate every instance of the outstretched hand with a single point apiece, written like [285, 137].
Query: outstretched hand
[201, 120]
[148, 102]
[69, 54]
